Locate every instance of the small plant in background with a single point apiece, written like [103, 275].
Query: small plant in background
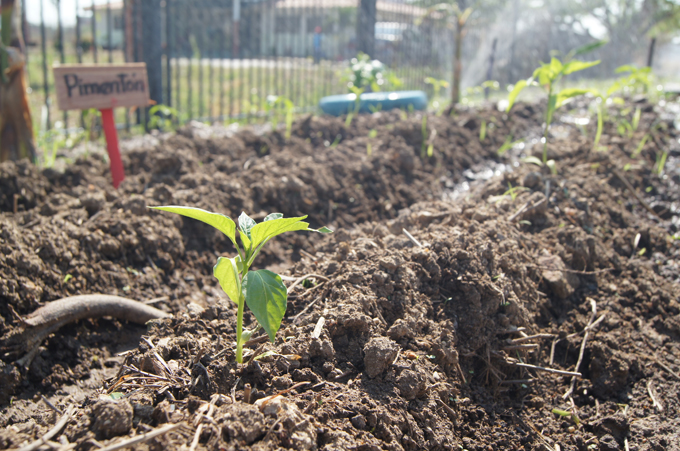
[371, 75]
[262, 290]
[163, 118]
[547, 76]
[513, 192]
[507, 145]
[426, 148]
[278, 107]
[437, 86]
[52, 141]
[491, 85]
[638, 80]
[371, 135]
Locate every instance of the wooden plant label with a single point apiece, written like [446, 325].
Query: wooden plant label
[83, 86]
[105, 87]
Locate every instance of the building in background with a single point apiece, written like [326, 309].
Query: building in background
[110, 25]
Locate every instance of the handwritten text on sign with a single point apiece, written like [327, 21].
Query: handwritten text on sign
[80, 87]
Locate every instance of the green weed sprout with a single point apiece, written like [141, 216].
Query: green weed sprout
[281, 106]
[162, 117]
[437, 86]
[262, 290]
[548, 75]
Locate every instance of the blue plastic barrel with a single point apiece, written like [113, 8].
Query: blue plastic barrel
[373, 101]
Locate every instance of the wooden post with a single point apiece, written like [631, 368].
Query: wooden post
[650, 54]
[152, 53]
[489, 70]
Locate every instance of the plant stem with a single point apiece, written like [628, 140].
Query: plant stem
[548, 119]
[599, 126]
[239, 328]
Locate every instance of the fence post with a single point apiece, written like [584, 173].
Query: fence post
[366, 18]
[650, 53]
[152, 52]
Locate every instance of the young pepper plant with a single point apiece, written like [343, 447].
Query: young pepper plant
[262, 290]
[548, 75]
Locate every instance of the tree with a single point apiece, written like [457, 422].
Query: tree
[627, 22]
[455, 18]
[16, 127]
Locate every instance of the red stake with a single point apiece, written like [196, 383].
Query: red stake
[117, 171]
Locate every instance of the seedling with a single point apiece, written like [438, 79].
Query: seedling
[162, 117]
[548, 75]
[262, 290]
[563, 413]
[513, 192]
[660, 163]
[369, 148]
[482, 130]
[550, 164]
[437, 86]
[507, 145]
[281, 106]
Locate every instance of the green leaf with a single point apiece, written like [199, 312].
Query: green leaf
[565, 94]
[269, 229]
[625, 68]
[589, 47]
[221, 222]
[245, 223]
[271, 216]
[576, 65]
[514, 93]
[227, 273]
[267, 298]
[532, 160]
[555, 67]
[552, 165]
[323, 229]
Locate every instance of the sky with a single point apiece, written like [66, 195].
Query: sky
[68, 11]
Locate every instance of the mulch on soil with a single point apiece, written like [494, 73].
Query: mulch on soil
[436, 341]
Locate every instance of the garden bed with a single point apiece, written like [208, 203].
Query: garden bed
[391, 341]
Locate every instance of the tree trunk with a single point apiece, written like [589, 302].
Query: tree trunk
[16, 126]
[366, 18]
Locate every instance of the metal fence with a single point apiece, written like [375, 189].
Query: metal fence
[221, 60]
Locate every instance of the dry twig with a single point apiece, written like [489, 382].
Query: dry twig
[52, 432]
[542, 368]
[634, 192]
[652, 394]
[142, 438]
[593, 309]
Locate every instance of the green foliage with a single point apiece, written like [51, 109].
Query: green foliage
[492, 85]
[278, 107]
[637, 80]
[262, 290]
[550, 164]
[547, 76]
[162, 117]
[507, 145]
[372, 75]
[437, 85]
[52, 141]
[513, 192]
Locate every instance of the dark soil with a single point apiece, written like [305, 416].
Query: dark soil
[406, 345]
